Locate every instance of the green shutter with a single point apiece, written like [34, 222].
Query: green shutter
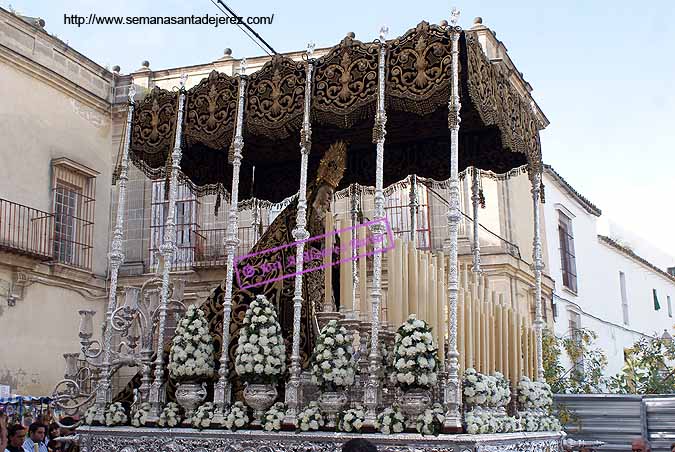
[657, 306]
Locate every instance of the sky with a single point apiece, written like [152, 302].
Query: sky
[602, 72]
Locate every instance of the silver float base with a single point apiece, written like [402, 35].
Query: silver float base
[130, 439]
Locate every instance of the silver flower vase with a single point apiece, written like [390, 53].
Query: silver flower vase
[260, 397]
[189, 395]
[331, 403]
[413, 402]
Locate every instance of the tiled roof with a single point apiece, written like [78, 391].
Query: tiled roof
[630, 253]
[589, 206]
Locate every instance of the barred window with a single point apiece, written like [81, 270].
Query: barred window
[398, 212]
[73, 197]
[186, 224]
[567, 256]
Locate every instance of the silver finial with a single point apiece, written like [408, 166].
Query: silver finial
[311, 45]
[132, 91]
[384, 31]
[242, 66]
[183, 80]
[454, 16]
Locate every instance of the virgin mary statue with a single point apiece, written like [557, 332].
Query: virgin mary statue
[280, 293]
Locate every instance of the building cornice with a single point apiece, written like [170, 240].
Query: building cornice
[54, 80]
[33, 51]
[631, 254]
[584, 202]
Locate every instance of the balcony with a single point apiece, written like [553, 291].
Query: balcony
[62, 237]
[26, 231]
[198, 248]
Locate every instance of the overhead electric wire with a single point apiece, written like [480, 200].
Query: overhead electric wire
[233, 14]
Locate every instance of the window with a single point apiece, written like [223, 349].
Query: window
[624, 297]
[670, 307]
[397, 210]
[657, 305]
[568, 262]
[575, 333]
[186, 224]
[73, 192]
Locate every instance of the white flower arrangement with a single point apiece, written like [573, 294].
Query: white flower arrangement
[310, 418]
[550, 424]
[272, 419]
[203, 416]
[89, 415]
[237, 417]
[537, 422]
[534, 394]
[170, 415]
[352, 420]
[332, 366]
[485, 390]
[260, 357]
[139, 415]
[191, 353]
[391, 420]
[480, 422]
[431, 421]
[415, 358]
[115, 414]
[503, 394]
[510, 424]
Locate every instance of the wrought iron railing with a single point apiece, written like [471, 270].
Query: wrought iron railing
[26, 230]
[205, 248]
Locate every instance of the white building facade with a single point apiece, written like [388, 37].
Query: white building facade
[600, 284]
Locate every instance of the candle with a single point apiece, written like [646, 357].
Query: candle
[390, 305]
[505, 338]
[412, 279]
[441, 306]
[347, 283]
[405, 280]
[423, 275]
[327, 261]
[393, 270]
[471, 327]
[366, 305]
[431, 296]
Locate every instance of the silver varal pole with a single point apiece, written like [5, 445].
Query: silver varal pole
[222, 390]
[414, 205]
[476, 239]
[116, 257]
[538, 267]
[451, 388]
[371, 397]
[300, 233]
[168, 250]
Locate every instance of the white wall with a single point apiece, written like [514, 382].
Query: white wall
[598, 297]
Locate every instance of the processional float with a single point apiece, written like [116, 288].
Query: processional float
[413, 90]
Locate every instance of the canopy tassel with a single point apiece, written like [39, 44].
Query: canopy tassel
[217, 206]
[167, 179]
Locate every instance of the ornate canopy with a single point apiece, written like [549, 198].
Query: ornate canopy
[498, 131]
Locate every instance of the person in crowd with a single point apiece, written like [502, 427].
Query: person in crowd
[68, 429]
[359, 445]
[55, 446]
[36, 435]
[640, 445]
[54, 432]
[672, 447]
[16, 433]
[4, 437]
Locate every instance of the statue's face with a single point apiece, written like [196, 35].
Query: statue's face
[322, 201]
